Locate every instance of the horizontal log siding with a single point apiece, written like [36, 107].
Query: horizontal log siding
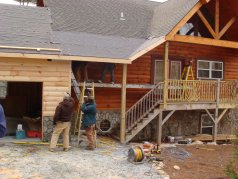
[139, 72]
[55, 76]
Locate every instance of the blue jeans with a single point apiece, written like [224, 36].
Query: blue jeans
[108, 67]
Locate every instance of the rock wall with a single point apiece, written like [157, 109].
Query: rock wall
[113, 117]
[181, 123]
[229, 123]
[47, 128]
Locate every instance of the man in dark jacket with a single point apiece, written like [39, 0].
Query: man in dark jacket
[89, 121]
[62, 117]
[3, 128]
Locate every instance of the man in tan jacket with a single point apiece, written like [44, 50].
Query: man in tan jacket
[62, 118]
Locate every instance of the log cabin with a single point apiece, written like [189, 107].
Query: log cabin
[152, 45]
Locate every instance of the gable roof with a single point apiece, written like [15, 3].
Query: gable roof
[115, 29]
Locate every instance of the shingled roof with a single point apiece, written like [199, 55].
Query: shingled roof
[115, 29]
[23, 26]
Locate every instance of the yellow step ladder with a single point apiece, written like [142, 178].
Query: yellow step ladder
[187, 73]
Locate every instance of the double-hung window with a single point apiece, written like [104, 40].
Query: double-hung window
[209, 69]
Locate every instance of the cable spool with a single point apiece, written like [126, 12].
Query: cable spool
[136, 154]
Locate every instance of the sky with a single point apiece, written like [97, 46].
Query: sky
[14, 2]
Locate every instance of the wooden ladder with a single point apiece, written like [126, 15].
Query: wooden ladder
[87, 90]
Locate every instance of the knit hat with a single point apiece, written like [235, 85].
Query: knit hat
[66, 96]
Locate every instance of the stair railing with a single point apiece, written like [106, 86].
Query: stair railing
[146, 104]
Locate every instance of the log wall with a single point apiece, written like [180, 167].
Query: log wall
[139, 72]
[55, 76]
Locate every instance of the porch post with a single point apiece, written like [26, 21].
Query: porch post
[166, 59]
[123, 106]
[214, 136]
[159, 127]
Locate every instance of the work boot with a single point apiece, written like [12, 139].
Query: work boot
[90, 148]
[67, 149]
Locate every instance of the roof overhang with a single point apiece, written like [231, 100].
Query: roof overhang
[64, 57]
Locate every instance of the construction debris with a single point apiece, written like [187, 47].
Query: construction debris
[176, 152]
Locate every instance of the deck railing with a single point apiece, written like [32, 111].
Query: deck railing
[191, 91]
[201, 91]
[229, 91]
[147, 103]
[181, 91]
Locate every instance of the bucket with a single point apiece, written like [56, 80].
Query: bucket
[20, 134]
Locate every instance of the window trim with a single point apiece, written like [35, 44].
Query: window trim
[155, 60]
[210, 69]
[201, 120]
[180, 70]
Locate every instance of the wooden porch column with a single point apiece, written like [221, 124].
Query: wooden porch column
[166, 59]
[216, 120]
[159, 127]
[123, 105]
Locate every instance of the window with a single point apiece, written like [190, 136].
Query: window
[206, 124]
[159, 71]
[175, 70]
[209, 69]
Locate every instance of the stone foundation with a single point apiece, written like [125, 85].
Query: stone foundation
[47, 128]
[113, 117]
[181, 123]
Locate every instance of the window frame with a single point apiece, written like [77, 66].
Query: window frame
[201, 122]
[210, 69]
[170, 68]
[161, 58]
[154, 66]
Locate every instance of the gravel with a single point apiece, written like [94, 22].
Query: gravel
[109, 160]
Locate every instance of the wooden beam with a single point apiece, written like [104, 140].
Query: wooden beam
[123, 106]
[30, 48]
[204, 41]
[185, 19]
[109, 85]
[153, 45]
[167, 117]
[65, 58]
[214, 135]
[226, 27]
[159, 127]
[166, 70]
[217, 18]
[210, 115]
[221, 115]
[206, 23]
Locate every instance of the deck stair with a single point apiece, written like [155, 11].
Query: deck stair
[144, 111]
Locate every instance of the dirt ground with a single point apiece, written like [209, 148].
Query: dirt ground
[198, 161]
[108, 161]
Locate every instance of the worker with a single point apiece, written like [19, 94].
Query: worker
[62, 118]
[80, 70]
[108, 67]
[3, 128]
[89, 121]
